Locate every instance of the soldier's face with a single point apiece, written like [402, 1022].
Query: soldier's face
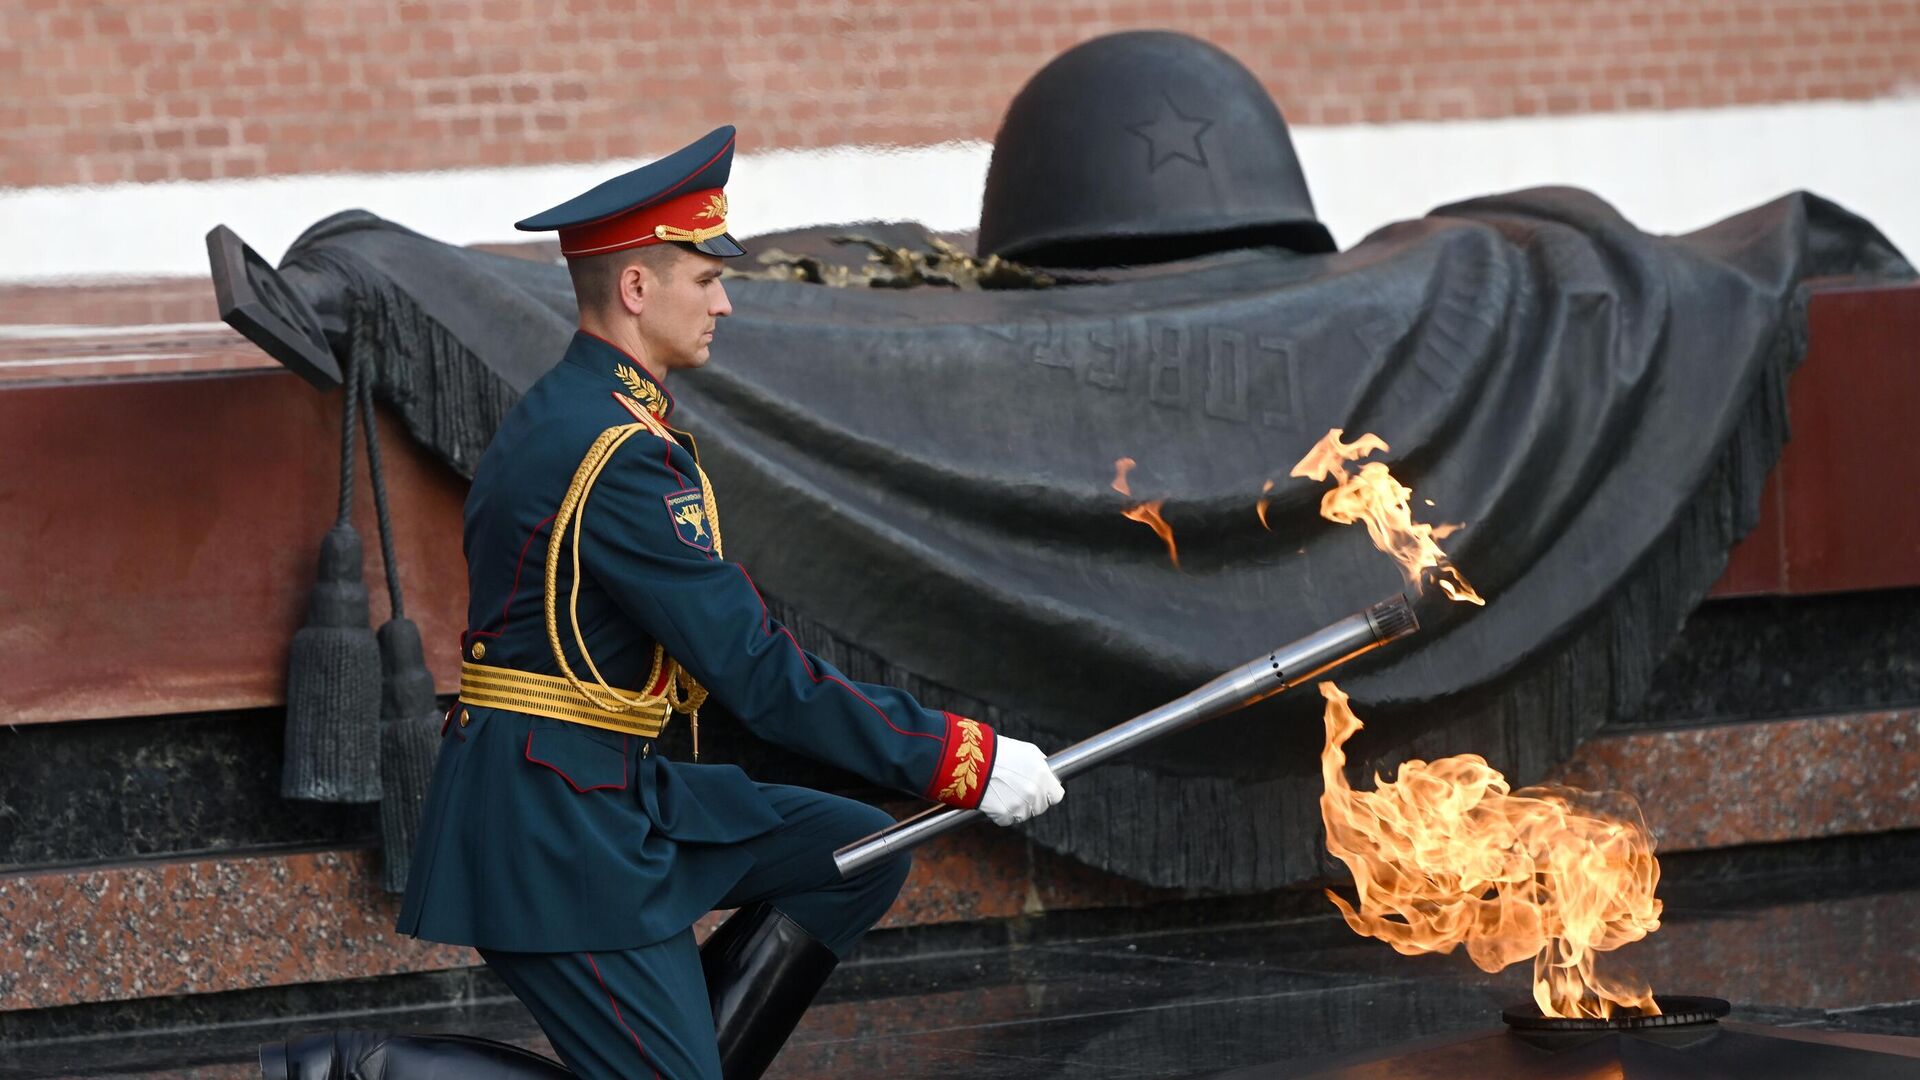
[683, 308]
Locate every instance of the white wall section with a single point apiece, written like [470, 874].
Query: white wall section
[1667, 171]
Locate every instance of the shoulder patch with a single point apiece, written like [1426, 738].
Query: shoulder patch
[688, 512]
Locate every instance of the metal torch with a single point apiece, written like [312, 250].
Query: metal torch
[1256, 680]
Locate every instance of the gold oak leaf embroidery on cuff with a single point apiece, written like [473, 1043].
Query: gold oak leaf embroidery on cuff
[967, 761]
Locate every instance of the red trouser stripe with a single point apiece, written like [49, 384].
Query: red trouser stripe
[623, 1020]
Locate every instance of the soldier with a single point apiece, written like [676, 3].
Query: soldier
[554, 839]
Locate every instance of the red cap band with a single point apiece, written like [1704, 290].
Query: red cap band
[690, 218]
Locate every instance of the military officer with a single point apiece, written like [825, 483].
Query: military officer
[602, 608]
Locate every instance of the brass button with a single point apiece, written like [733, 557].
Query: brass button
[479, 650]
[647, 749]
[465, 717]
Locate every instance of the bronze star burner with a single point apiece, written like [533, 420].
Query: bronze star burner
[1688, 1039]
[1675, 1011]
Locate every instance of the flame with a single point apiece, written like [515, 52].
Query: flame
[1376, 498]
[1445, 854]
[1261, 506]
[1146, 513]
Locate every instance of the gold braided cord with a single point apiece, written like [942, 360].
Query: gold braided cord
[688, 236]
[682, 693]
[712, 508]
[571, 508]
[573, 598]
[685, 693]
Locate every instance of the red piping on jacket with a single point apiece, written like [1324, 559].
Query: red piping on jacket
[622, 786]
[506, 609]
[622, 402]
[766, 625]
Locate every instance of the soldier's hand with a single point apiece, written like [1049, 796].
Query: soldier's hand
[1022, 786]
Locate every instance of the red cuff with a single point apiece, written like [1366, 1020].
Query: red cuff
[965, 763]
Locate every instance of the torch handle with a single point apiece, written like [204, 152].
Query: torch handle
[1256, 680]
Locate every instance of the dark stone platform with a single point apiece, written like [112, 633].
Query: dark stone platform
[1822, 935]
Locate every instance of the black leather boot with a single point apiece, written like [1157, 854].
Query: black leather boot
[375, 1055]
[762, 972]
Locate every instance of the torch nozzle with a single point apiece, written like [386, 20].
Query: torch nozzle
[1392, 619]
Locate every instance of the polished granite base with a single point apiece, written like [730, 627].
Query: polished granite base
[1804, 940]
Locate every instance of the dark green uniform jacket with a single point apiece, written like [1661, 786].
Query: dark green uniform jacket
[546, 835]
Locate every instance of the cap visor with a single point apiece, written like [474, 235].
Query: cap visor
[724, 245]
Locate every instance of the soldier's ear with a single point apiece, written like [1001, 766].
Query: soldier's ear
[633, 285]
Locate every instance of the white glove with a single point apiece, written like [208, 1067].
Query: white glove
[1022, 786]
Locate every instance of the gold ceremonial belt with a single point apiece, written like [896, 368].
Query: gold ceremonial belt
[555, 698]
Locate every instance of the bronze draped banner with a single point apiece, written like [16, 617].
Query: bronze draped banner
[919, 478]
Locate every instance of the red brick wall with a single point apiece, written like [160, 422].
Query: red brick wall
[95, 91]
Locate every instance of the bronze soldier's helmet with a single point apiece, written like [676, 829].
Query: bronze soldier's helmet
[1142, 147]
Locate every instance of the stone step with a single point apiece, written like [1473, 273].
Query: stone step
[197, 926]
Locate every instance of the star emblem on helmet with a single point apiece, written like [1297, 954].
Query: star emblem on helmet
[1171, 134]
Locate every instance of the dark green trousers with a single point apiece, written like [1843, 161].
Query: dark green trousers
[643, 1012]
